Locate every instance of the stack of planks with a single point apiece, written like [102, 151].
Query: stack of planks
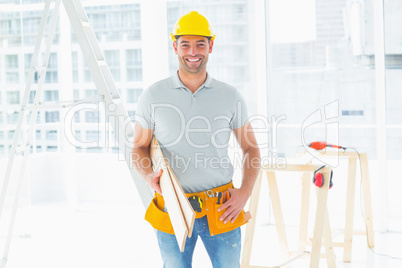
[180, 211]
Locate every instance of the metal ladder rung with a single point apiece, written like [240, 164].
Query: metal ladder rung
[39, 68]
[86, 24]
[102, 62]
[117, 101]
[22, 148]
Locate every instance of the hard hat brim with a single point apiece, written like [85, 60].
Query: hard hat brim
[174, 37]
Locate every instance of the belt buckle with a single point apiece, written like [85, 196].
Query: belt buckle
[210, 193]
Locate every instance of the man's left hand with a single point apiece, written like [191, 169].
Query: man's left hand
[234, 205]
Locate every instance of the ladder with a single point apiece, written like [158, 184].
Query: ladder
[107, 92]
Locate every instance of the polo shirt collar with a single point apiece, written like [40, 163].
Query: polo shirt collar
[176, 83]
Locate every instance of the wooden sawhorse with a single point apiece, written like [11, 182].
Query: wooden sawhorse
[321, 227]
[350, 200]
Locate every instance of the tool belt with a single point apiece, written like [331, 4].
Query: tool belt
[208, 206]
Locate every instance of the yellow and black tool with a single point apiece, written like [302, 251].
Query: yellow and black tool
[219, 198]
[196, 203]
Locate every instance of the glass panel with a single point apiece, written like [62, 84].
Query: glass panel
[51, 95]
[133, 94]
[116, 22]
[10, 29]
[317, 61]
[11, 68]
[112, 58]
[91, 117]
[51, 135]
[53, 116]
[31, 23]
[13, 97]
[51, 148]
[393, 64]
[74, 59]
[51, 71]
[133, 57]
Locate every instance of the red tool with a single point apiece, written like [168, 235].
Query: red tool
[223, 198]
[319, 145]
[228, 195]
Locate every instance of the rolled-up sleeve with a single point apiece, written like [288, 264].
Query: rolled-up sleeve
[143, 114]
[240, 115]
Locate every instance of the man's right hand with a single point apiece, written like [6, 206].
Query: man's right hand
[153, 181]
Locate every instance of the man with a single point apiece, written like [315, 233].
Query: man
[192, 116]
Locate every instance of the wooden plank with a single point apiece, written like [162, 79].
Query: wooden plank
[277, 209]
[292, 167]
[255, 266]
[329, 245]
[339, 244]
[304, 210]
[368, 211]
[350, 205]
[169, 195]
[322, 196]
[339, 153]
[250, 227]
[187, 209]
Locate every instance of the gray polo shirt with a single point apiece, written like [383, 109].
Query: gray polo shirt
[194, 129]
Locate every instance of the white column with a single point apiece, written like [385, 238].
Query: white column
[382, 178]
[258, 47]
[154, 40]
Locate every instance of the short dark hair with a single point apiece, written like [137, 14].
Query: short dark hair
[208, 37]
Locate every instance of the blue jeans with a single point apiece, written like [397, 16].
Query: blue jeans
[223, 249]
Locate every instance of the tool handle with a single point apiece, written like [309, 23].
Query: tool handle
[219, 198]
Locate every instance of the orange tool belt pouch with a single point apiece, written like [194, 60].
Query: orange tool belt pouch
[160, 220]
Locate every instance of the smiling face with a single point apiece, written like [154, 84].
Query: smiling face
[192, 52]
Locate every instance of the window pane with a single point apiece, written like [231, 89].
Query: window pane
[51, 71]
[393, 64]
[318, 62]
[91, 116]
[113, 60]
[133, 57]
[116, 22]
[52, 117]
[51, 135]
[133, 94]
[51, 95]
[13, 97]
[10, 29]
[11, 67]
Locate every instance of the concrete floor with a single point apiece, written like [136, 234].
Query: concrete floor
[115, 235]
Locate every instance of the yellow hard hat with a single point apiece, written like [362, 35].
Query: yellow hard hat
[192, 23]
